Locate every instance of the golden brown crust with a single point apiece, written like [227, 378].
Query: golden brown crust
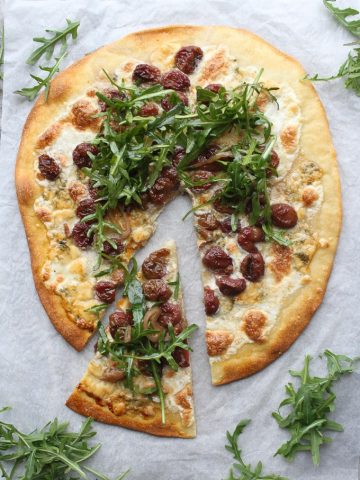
[83, 404]
[315, 144]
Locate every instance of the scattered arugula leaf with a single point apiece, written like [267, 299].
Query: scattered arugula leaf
[246, 471]
[310, 405]
[49, 44]
[32, 92]
[350, 69]
[53, 452]
[342, 14]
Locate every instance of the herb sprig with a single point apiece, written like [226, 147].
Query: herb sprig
[53, 452]
[133, 149]
[47, 50]
[48, 44]
[32, 92]
[245, 471]
[310, 404]
[350, 69]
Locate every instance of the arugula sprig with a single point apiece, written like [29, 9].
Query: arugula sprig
[32, 92]
[53, 452]
[245, 471]
[310, 404]
[47, 50]
[48, 44]
[133, 150]
[342, 14]
[350, 69]
[127, 352]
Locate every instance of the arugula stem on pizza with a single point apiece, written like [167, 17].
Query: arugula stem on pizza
[215, 112]
[141, 376]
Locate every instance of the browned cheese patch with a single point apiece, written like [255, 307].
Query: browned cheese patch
[280, 266]
[254, 322]
[218, 341]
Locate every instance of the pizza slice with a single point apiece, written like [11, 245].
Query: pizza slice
[140, 377]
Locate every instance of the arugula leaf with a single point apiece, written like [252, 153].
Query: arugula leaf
[310, 406]
[276, 235]
[349, 70]
[246, 471]
[53, 452]
[176, 285]
[49, 44]
[32, 92]
[342, 14]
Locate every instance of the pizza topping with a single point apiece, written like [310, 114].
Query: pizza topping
[214, 87]
[181, 357]
[112, 375]
[77, 190]
[274, 163]
[48, 167]
[254, 321]
[253, 267]
[86, 207]
[81, 156]
[105, 291]
[151, 321]
[211, 301]
[178, 154]
[145, 73]
[170, 314]
[118, 321]
[309, 196]
[221, 207]
[114, 248]
[156, 290]
[218, 341]
[283, 215]
[149, 110]
[248, 236]
[172, 99]
[81, 235]
[164, 187]
[207, 159]
[217, 260]
[227, 225]
[84, 114]
[230, 286]
[111, 94]
[187, 58]
[208, 221]
[154, 266]
[199, 179]
[175, 80]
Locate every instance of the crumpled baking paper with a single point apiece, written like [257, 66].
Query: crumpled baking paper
[39, 370]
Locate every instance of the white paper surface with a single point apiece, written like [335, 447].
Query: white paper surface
[38, 370]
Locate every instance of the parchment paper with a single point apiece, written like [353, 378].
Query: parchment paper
[39, 370]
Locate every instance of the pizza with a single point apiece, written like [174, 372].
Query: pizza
[217, 113]
[122, 386]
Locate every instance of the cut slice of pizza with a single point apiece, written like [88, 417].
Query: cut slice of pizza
[140, 377]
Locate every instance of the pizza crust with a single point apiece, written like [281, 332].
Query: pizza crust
[81, 403]
[315, 144]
